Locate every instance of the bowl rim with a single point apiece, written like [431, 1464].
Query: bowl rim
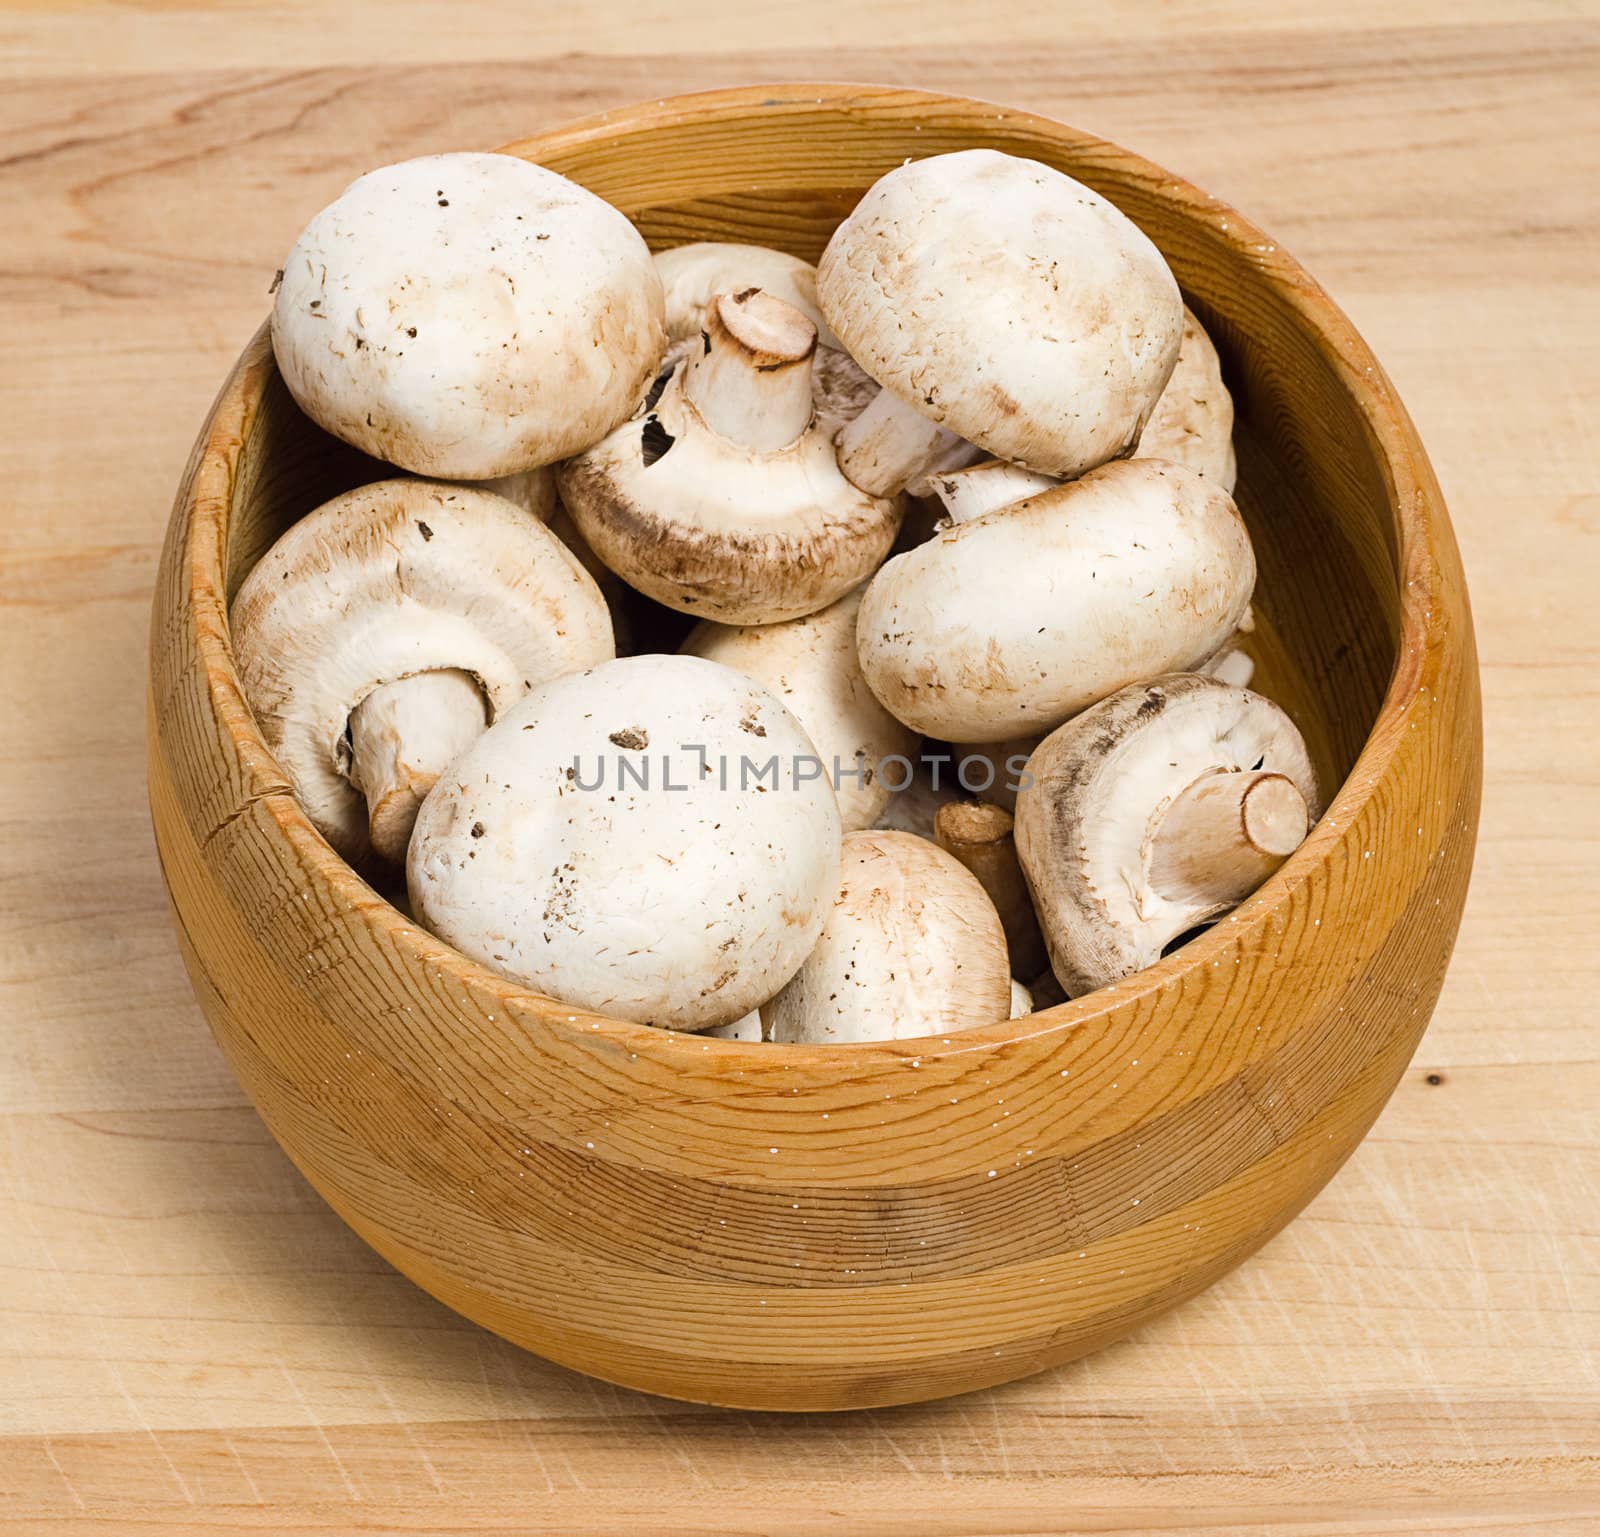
[1426, 567]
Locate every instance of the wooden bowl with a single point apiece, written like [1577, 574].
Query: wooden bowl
[825, 1227]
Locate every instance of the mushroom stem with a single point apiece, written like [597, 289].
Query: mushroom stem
[982, 488]
[750, 380]
[958, 456]
[403, 735]
[889, 445]
[980, 836]
[1230, 665]
[1224, 835]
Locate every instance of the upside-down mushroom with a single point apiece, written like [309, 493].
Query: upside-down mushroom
[912, 946]
[635, 839]
[693, 275]
[724, 499]
[811, 665]
[1006, 625]
[381, 633]
[468, 316]
[999, 302]
[1157, 810]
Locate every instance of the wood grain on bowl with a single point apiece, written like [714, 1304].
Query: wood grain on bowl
[791, 1227]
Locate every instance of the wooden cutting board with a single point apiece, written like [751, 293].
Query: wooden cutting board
[189, 1341]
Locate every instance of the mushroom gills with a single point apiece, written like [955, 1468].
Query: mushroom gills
[404, 603]
[403, 736]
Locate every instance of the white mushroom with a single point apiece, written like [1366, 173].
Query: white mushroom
[1192, 423]
[746, 1028]
[912, 947]
[1007, 625]
[378, 635]
[1021, 1001]
[532, 490]
[693, 275]
[1157, 810]
[639, 839]
[1234, 663]
[840, 391]
[974, 491]
[620, 598]
[980, 836]
[997, 301]
[724, 500]
[468, 316]
[812, 666]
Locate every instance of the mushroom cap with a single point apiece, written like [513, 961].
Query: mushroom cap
[1006, 625]
[912, 946]
[1100, 784]
[721, 531]
[693, 275]
[686, 902]
[390, 580]
[811, 665]
[468, 316]
[1007, 302]
[1192, 423]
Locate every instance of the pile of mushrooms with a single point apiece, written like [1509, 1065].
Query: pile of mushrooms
[786, 653]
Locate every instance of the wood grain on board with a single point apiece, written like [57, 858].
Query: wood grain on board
[191, 1340]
